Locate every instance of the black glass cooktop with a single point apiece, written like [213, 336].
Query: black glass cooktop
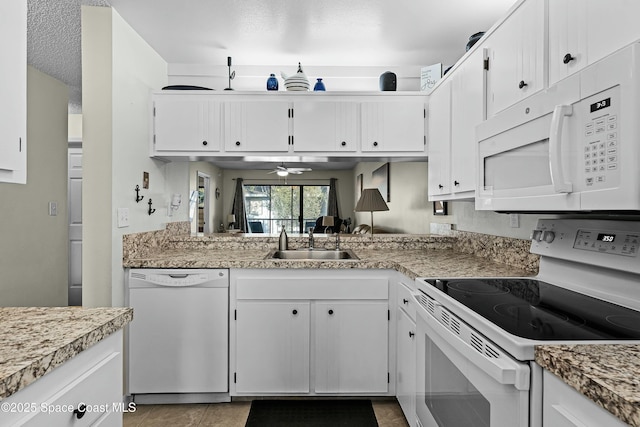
[537, 310]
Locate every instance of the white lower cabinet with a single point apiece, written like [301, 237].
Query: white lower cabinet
[564, 406]
[272, 348]
[406, 349]
[406, 373]
[351, 347]
[84, 391]
[309, 332]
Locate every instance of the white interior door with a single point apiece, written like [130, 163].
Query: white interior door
[74, 197]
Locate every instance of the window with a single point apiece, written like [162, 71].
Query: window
[296, 207]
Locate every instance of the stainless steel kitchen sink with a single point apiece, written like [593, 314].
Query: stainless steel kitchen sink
[313, 254]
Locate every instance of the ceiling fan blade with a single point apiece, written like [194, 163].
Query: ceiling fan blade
[273, 171]
[295, 171]
[299, 170]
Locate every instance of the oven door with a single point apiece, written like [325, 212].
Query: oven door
[461, 379]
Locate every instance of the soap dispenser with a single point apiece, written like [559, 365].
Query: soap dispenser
[283, 243]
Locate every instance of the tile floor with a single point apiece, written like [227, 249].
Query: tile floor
[233, 414]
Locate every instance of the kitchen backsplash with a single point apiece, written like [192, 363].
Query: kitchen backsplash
[176, 235]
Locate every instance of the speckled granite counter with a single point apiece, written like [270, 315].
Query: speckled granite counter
[410, 262]
[35, 340]
[606, 374]
[412, 255]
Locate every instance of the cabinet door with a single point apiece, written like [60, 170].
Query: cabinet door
[439, 140]
[563, 406]
[467, 111]
[516, 57]
[351, 347]
[186, 123]
[325, 126]
[406, 375]
[13, 87]
[567, 36]
[257, 126]
[393, 126]
[272, 347]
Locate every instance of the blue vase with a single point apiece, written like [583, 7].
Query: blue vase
[319, 86]
[272, 82]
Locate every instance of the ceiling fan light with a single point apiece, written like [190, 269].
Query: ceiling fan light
[282, 173]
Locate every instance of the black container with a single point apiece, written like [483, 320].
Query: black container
[388, 81]
[473, 39]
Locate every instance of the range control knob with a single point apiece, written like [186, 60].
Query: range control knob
[548, 236]
[536, 235]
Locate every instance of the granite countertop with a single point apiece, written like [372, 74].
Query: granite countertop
[605, 373]
[35, 340]
[410, 262]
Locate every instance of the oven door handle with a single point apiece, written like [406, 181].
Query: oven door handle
[490, 359]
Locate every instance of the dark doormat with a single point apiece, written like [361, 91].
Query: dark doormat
[311, 413]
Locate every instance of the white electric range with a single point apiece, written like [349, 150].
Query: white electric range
[476, 336]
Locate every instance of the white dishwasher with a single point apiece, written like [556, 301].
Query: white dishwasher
[178, 340]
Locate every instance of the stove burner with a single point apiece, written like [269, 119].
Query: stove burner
[625, 322]
[535, 315]
[477, 287]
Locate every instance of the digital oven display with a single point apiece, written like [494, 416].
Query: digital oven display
[601, 104]
[603, 237]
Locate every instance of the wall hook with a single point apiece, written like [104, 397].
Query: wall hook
[138, 196]
[150, 210]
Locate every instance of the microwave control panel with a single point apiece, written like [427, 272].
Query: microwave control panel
[601, 130]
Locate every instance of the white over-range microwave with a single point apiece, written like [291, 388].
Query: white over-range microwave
[572, 147]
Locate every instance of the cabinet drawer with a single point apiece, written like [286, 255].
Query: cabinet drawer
[405, 300]
[98, 388]
[310, 288]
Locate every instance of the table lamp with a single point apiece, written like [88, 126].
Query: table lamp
[231, 219]
[371, 201]
[327, 222]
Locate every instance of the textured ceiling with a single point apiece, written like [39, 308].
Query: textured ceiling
[268, 32]
[53, 42]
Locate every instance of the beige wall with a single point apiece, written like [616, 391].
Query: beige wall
[120, 70]
[34, 246]
[409, 210]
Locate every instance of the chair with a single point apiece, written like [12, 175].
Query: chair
[308, 225]
[256, 227]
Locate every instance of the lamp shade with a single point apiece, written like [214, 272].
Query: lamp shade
[231, 218]
[327, 221]
[371, 201]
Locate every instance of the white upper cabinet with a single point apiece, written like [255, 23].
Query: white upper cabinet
[583, 32]
[517, 60]
[325, 126]
[440, 141]
[257, 126]
[186, 123]
[467, 111]
[13, 87]
[393, 125]
[230, 124]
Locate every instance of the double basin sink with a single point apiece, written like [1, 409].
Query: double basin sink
[313, 254]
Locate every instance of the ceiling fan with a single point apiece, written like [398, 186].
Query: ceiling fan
[282, 170]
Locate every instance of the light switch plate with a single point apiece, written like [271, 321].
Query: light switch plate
[53, 208]
[123, 217]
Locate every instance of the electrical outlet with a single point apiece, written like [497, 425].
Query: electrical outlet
[123, 217]
[514, 220]
[53, 208]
